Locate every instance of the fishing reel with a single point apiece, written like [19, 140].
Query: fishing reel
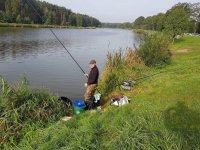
[128, 85]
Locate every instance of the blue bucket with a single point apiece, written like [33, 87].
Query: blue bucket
[78, 107]
[79, 103]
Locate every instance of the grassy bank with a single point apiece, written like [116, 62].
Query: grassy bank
[23, 110]
[164, 112]
[41, 26]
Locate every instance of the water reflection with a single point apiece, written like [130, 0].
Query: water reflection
[25, 49]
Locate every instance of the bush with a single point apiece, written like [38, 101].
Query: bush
[154, 51]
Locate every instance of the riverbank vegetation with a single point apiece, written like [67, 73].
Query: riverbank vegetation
[20, 11]
[41, 26]
[163, 113]
[23, 110]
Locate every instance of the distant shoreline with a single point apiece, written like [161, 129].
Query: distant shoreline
[41, 26]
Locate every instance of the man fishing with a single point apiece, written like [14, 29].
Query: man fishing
[91, 84]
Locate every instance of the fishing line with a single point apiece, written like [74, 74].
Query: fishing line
[30, 4]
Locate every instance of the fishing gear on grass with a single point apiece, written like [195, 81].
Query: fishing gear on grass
[128, 85]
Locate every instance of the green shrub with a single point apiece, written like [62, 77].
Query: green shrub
[154, 51]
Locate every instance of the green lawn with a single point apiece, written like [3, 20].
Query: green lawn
[164, 113]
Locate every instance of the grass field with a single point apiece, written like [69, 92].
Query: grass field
[164, 113]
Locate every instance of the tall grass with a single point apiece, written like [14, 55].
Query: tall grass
[120, 66]
[21, 107]
[109, 77]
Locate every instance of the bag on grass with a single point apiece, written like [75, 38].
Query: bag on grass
[120, 102]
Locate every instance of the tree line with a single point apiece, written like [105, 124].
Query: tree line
[118, 25]
[19, 11]
[181, 18]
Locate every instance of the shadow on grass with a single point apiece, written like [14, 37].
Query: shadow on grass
[185, 122]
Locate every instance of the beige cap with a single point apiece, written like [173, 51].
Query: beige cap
[92, 61]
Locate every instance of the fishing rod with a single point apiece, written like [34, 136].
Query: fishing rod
[130, 83]
[30, 4]
[79, 66]
[167, 71]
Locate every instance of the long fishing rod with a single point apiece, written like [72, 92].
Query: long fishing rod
[167, 71]
[57, 38]
[134, 81]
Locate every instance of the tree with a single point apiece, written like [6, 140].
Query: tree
[63, 19]
[27, 20]
[150, 23]
[139, 23]
[2, 5]
[72, 19]
[79, 20]
[18, 19]
[177, 20]
[2, 16]
[195, 16]
[160, 21]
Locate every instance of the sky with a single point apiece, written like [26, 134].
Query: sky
[118, 10]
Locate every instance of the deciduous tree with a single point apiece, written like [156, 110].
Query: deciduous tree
[177, 20]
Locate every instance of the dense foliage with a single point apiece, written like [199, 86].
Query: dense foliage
[181, 18]
[154, 51]
[19, 11]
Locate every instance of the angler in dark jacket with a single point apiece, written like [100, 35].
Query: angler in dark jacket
[91, 84]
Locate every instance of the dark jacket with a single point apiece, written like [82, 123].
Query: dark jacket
[93, 76]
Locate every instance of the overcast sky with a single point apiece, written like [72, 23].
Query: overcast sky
[118, 10]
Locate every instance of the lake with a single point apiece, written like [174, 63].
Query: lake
[36, 54]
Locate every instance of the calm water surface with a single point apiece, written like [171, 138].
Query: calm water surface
[37, 54]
